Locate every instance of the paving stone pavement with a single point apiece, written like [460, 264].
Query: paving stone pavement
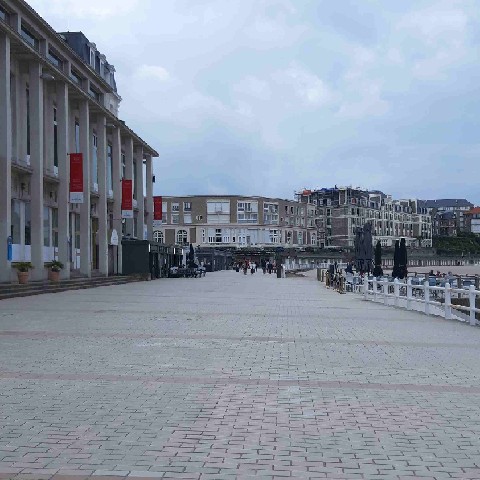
[233, 376]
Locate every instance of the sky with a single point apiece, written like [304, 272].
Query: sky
[268, 97]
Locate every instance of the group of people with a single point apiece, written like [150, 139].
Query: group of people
[246, 265]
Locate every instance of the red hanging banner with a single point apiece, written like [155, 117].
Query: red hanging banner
[157, 208]
[76, 178]
[127, 199]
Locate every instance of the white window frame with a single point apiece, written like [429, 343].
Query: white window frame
[182, 237]
[158, 236]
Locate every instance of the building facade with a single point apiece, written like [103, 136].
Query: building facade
[342, 209]
[58, 96]
[447, 215]
[472, 220]
[236, 221]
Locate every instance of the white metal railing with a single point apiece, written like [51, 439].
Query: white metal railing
[432, 300]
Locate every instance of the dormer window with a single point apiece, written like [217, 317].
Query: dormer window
[92, 57]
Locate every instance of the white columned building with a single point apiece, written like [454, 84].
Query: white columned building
[58, 96]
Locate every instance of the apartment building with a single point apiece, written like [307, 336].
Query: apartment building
[236, 221]
[448, 215]
[342, 209]
[472, 220]
[58, 97]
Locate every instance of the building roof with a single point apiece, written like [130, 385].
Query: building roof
[445, 202]
[58, 72]
[473, 211]
[230, 196]
[79, 43]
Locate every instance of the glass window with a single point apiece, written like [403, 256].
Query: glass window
[15, 222]
[247, 212]
[28, 224]
[270, 213]
[175, 218]
[77, 137]
[182, 237]
[27, 93]
[94, 159]
[187, 218]
[175, 207]
[158, 236]
[109, 168]
[76, 77]
[55, 227]
[28, 37]
[77, 230]
[218, 207]
[94, 93]
[55, 138]
[3, 14]
[124, 167]
[187, 206]
[274, 236]
[54, 58]
[46, 227]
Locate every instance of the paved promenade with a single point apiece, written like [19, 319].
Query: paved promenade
[234, 376]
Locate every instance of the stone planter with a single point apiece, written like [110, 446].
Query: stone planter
[22, 277]
[53, 276]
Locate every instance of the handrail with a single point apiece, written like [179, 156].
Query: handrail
[439, 298]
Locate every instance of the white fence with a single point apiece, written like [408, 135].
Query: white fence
[431, 299]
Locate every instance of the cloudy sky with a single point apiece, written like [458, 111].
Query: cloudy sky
[265, 97]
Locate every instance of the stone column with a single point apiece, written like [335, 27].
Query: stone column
[5, 155]
[102, 191]
[63, 132]
[129, 176]
[140, 200]
[117, 196]
[85, 224]
[36, 158]
[149, 175]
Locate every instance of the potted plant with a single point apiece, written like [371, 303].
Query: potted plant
[54, 268]
[22, 271]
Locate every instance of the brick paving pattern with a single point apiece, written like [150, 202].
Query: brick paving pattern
[234, 376]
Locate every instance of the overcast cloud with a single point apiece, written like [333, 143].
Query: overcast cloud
[265, 97]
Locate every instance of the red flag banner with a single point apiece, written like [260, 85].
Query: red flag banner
[127, 199]
[157, 208]
[76, 178]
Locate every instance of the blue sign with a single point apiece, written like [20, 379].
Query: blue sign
[9, 249]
